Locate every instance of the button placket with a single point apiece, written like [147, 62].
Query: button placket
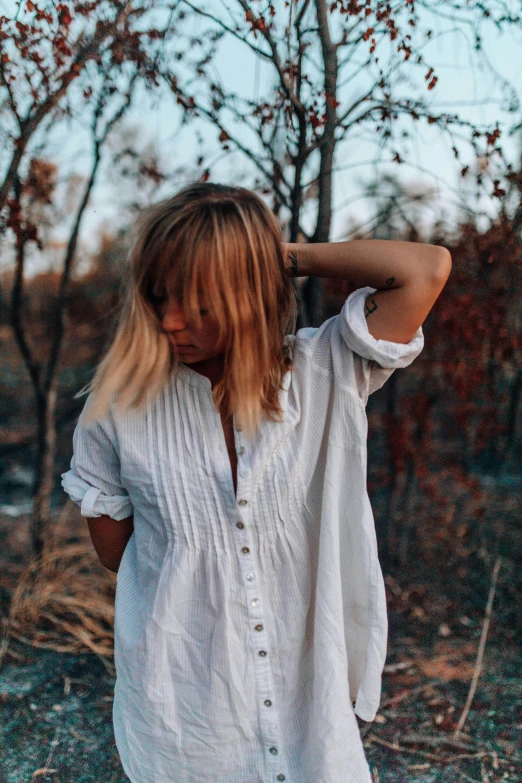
[244, 470]
[269, 713]
[269, 719]
[243, 467]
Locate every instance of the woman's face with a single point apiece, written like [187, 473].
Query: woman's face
[188, 342]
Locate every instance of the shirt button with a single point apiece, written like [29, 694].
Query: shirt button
[242, 502]
[267, 703]
[240, 525]
[273, 751]
[243, 473]
[262, 653]
[255, 601]
[245, 550]
[259, 627]
[250, 577]
[241, 450]
[281, 777]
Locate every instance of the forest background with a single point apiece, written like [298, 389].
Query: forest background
[337, 114]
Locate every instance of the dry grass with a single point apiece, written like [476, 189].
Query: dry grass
[64, 600]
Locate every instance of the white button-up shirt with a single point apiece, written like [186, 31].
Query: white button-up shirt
[249, 628]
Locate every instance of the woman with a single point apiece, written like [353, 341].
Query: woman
[220, 461]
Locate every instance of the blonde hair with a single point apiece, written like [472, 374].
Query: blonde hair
[227, 239]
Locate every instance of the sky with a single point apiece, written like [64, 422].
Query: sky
[458, 89]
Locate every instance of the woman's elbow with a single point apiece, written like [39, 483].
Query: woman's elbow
[114, 567]
[110, 538]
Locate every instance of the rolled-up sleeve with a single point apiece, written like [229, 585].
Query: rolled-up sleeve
[380, 358]
[93, 481]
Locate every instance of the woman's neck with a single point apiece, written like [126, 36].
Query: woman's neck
[211, 368]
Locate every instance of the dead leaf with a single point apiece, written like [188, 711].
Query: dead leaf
[442, 670]
[391, 668]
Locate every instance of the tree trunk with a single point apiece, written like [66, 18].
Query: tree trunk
[46, 444]
[313, 290]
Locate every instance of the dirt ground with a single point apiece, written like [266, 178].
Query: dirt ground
[56, 714]
[56, 708]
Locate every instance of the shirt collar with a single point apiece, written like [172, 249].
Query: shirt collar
[190, 376]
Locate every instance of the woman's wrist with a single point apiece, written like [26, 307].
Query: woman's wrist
[293, 260]
[306, 259]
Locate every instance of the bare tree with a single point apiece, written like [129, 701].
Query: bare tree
[76, 63]
[313, 49]
[35, 190]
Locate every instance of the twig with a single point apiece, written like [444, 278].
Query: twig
[481, 648]
[433, 756]
[467, 777]
[392, 701]
[436, 741]
[4, 643]
[54, 743]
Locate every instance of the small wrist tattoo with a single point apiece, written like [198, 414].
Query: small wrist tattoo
[367, 309]
[293, 260]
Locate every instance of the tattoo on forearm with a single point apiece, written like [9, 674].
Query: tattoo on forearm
[367, 309]
[293, 260]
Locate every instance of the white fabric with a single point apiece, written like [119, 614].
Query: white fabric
[195, 702]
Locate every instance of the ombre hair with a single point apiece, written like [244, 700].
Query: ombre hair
[225, 240]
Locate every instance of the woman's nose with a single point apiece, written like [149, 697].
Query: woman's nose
[173, 317]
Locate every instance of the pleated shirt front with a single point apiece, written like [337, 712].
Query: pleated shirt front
[249, 627]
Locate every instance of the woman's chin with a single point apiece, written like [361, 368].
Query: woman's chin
[185, 354]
